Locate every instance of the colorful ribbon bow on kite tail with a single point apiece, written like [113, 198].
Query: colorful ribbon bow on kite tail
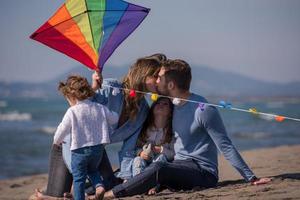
[90, 30]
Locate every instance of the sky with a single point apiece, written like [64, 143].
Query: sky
[256, 38]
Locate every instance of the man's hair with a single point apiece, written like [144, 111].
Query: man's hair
[179, 72]
[77, 87]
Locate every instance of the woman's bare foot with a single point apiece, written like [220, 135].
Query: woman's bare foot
[38, 193]
[40, 196]
[100, 191]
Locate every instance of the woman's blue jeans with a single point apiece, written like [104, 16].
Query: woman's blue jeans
[84, 163]
[59, 178]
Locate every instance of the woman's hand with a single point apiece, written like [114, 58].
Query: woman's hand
[144, 155]
[96, 80]
[261, 181]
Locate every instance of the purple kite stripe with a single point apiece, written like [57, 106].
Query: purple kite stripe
[129, 22]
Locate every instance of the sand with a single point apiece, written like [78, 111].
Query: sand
[280, 163]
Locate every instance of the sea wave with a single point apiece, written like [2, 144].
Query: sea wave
[48, 130]
[275, 104]
[253, 135]
[3, 104]
[15, 116]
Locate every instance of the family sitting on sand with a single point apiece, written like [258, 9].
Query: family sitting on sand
[166, 146]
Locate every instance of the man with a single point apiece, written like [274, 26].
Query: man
[198, 132]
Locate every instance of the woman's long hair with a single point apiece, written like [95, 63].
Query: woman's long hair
[135, 80]
[168, 130]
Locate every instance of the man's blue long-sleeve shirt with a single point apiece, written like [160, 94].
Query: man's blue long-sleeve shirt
[199, 133]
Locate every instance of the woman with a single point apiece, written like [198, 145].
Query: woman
[132, 113]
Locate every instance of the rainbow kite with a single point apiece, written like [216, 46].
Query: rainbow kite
[90, 30]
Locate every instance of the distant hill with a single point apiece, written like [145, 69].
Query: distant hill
[213, 82]
[206, 81]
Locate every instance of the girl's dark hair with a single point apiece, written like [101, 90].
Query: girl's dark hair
[149, 122]
[77, 87]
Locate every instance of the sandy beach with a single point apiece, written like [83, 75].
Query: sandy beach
[280, 163]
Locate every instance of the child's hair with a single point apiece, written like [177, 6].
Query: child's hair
[150, 123]
[77, 87]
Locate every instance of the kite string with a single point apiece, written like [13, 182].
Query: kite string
[210, 104]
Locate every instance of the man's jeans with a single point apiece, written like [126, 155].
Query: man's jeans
[84, 163]
[177, 175]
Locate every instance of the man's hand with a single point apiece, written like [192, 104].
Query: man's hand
[261, 181]
[96, 80]
[144, 155]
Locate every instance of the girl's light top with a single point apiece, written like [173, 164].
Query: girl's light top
[157, 137]
[88, 123]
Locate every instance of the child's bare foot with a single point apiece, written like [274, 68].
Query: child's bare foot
[109, 195]
[152, 191]
[100, 191]
[90, 197]
[68, 196]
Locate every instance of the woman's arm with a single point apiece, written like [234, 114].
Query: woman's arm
[102, 94]
[131, 127]
[97, 80]
[111, 117]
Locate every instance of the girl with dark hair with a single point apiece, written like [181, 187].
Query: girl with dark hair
[155, 142]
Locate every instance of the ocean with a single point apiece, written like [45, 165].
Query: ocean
[27, 126]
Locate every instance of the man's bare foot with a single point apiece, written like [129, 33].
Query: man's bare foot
[261, 181]
[100, 191]
[109, 195]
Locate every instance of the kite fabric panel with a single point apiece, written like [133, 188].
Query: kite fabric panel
[90, 30]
